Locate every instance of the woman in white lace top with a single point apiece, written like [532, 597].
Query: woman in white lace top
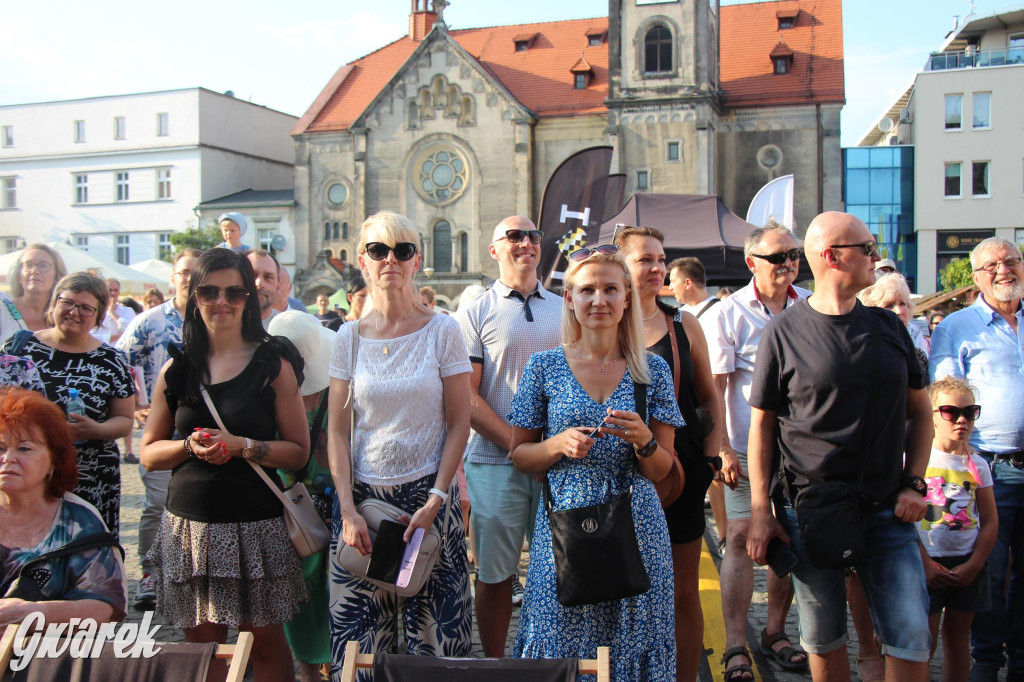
[411, 389]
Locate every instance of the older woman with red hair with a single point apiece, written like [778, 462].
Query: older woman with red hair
[56, 554]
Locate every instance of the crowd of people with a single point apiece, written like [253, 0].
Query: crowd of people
[879, 461]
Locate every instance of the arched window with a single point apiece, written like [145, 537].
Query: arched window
[344, 230]
[344, 256]
[327, 231]
[463, 252]
[442, 239]
[658, 49]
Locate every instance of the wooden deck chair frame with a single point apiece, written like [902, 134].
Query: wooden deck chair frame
[600, 666]
[237, 654]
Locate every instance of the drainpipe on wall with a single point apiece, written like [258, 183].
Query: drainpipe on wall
[821, 160]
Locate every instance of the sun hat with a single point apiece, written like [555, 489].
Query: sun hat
[314, 343]
[237, 219]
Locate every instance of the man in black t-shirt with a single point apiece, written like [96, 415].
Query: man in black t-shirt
[323, 312]
[838, 391]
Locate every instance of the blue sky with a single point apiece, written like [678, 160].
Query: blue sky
[281, 54]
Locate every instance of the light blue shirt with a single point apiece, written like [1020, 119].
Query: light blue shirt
[977, 344]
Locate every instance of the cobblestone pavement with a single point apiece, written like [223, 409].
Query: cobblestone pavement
[132, 498]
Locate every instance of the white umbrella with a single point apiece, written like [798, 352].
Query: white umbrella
[132, 281]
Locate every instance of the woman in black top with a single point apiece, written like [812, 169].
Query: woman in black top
[223, 550]
[696, 444]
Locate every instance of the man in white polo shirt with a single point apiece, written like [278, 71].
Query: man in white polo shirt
[502, 327]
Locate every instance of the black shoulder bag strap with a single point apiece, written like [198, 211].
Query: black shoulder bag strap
[640, 398]
[314, 434]
[708, 305]
[19, 340]
[94, 541]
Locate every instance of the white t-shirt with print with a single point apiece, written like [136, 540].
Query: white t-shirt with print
[950, 526]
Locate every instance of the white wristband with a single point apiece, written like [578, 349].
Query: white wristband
[440, 493]
[248, 444]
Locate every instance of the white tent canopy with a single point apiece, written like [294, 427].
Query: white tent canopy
[132, 281]
[157, 269]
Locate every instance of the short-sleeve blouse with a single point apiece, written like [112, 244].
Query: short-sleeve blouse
[400, 424]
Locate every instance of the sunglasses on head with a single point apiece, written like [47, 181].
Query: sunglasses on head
[781, 257]
[517, 236]
[951, 413]
[209, 295]
[379, 250]
[585, 253]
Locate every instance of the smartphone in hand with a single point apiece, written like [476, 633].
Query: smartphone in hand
[781, 559]
[388, 549]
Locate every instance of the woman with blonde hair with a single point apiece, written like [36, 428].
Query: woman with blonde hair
[574, 421]
[410, 381]
[32, 278]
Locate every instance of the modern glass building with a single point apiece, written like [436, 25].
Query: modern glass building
[878, 188]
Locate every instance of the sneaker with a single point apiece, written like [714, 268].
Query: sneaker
[130, 459]
[145, 595]
[517, 592]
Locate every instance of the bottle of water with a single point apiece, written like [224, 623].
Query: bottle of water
[75, 406]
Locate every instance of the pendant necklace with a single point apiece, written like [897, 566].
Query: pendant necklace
[376, 325]
[600, 367]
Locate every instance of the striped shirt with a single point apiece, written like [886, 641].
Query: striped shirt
[502, 330]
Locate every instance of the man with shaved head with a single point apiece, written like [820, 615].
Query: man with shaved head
[839, 393]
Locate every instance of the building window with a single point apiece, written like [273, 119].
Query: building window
[344, 256]
[162, 126]
[344, 230]
[82, 243]
[119, 127]
[981, 110]
[954, 105]
[463, 252]
[266, 237]
[979, 178]
[672, 151]
[786, 22]
[442, 175]
[79, 131]
[11, 245]
[783, 65]
[952, 180]
[594, 41]
[163, 183]
[82, 189]
[121, 182]
[337, 194]
[580, 81]
[658, 50]
[123, 254]
[643, 180]
[522, 45]
[335, 232]
[442, 246]
[163, 246]
[8, 136]
[9, 188]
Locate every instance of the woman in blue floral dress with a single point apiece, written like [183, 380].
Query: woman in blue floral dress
[564, 394]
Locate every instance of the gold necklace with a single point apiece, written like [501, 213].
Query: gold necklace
[651, 316]
[598, 364]
[376, 325]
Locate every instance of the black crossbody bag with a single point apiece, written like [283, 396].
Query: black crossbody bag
[597, 556]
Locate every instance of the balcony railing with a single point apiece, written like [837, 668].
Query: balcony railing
[971, 59]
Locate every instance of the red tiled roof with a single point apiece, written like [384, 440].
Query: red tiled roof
[582, 66]
[541, 78]
[781, 49]
[750, 33]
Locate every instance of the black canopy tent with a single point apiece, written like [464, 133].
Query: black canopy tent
[694, 225]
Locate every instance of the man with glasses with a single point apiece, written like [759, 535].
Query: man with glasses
[145, 342]
[733, 329]
[502, 327]
[839, 394]
[983, 344]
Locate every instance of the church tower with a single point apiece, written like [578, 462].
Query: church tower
[663, 92]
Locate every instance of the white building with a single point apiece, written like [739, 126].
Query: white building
[963, 116]
[117, 175]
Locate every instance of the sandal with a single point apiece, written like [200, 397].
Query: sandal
[738, 673]
[784, 656]
[870, 659]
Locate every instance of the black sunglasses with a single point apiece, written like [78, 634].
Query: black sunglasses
[781, 257]
[208, 294]
[379, 250]
[517, 236]
[867, 247]
[585, 253]
[951, 413]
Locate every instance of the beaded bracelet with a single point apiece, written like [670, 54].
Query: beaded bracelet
[188, 450]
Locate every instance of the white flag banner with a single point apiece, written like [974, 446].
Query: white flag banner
[773, 201]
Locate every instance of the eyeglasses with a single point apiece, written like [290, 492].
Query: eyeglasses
[951, 413]
[183, 274]
[209, 295]
[39, 266]
[67, 305]
[379, 251]
[991, 268]
[585, 253]
[868, 248]
[935, 321]
[781, 257]
[517, 236]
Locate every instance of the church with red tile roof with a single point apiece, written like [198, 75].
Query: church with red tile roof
[458, 129]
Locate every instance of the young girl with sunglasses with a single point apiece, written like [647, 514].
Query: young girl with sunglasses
[959, 530]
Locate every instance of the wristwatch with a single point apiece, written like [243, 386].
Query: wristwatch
[915, 483]
[647, 450]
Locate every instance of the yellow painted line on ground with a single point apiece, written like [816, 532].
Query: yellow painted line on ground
[714, 624]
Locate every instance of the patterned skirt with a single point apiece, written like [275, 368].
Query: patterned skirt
[227, 573]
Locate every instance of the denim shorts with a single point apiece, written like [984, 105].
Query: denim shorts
[893, 578]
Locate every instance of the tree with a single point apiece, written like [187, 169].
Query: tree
[956, 274]
[201, 238]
